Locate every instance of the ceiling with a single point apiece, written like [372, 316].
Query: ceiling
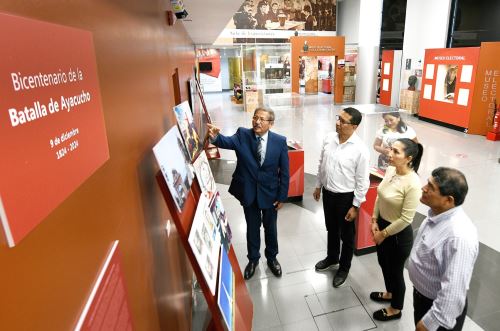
[207, 19]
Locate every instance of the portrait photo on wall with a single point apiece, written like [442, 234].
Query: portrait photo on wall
[446, 78]
[284, 17]
[175, 166]
[194, 144]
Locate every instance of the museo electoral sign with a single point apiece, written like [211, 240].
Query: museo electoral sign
[52, 135]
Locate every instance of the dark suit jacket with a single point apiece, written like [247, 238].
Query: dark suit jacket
[267, 183]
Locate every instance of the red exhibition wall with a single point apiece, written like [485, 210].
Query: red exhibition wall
[448, 85]
[48, 276]
[386, 77]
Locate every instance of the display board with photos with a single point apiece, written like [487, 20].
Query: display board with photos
[175, 166]
[219, 214]
[203, 228]
[193, 143]
[205, 242]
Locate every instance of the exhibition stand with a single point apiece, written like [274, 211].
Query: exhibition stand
[363, 242]
[296, 159]
[243, 306]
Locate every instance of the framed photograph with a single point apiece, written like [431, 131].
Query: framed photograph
[193, 143]
[175, 166]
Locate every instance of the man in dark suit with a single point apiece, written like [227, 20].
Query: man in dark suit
[260, 183]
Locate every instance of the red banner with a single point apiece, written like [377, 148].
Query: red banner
[52, 135]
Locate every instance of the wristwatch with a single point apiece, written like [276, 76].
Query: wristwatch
[356, 207]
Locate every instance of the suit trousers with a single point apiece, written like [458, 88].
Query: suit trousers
[392, 254]
[422, 304]
[335, 207]
[254, 217]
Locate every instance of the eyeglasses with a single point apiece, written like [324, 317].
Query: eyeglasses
[262, 119]
[341, 120]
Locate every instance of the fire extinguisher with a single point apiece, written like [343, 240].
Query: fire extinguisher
[496, 120]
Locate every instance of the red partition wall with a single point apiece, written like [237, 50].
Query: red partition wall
[386, 72]
[446, 70]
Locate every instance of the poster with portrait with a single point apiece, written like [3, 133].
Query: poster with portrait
[175, 166]
[204, 239]
[446, 78]
[204, 175]
[219, 215]
[188, 131]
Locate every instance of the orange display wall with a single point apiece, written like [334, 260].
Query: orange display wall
[485, 97]
[448, 86]
[319, 46]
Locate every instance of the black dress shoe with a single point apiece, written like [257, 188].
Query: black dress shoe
[325, 265]
[339, 278]
[275, 267]
[379, 297]
[250, 269]
[381, 315]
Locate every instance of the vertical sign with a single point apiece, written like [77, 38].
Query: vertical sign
[52, 133]
[107, 307]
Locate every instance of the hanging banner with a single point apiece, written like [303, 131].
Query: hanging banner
[52, 135]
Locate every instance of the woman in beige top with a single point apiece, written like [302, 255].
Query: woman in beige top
[398, 196]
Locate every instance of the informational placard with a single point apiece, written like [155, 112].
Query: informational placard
[205, 242]
[107, 307]
[52, 135]
[226, 295]
[187, 128]
[204, 175]
[174, 163]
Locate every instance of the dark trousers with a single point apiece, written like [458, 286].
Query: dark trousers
[335, 207]
[422, 304]
[392, 254]
[254, 217]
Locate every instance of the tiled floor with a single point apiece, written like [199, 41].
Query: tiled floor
[304, 299]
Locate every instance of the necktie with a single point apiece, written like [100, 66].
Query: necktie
[260, 158]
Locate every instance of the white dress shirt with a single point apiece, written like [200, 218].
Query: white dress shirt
[441, 264]
[344, 167]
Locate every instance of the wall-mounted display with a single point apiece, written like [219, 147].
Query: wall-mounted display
[193, 143]
[52, 135]
[448, 85]
[173, 160]
[209, 69]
